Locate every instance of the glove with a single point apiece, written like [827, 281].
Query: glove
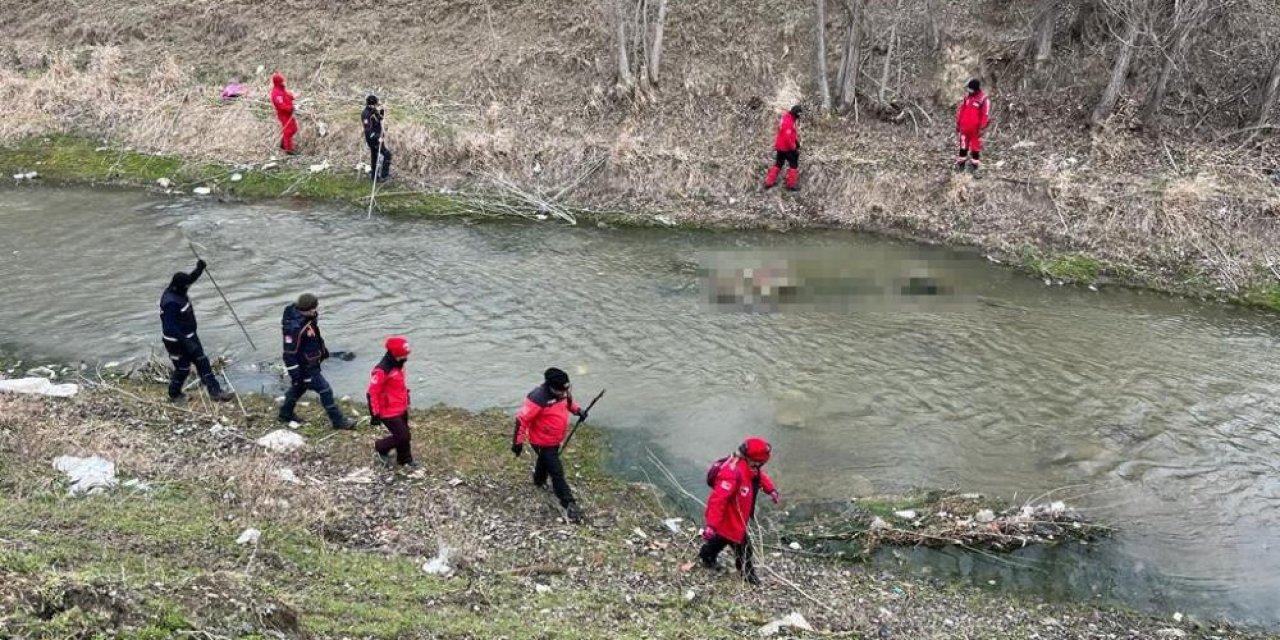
[708, 533]
[201, 264]
[517, 448]
[774, 496]
[582, 415]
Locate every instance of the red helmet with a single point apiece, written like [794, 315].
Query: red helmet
[398, 346]
[756, 450]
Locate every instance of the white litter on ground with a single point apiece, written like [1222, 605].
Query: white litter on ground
[282, 441]
[88, 475]
[249, 536]
[439, 565]
[793, 620]
[39, 387]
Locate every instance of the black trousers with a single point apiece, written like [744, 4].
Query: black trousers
[549, 466]
[787, 157]
[182, 361]
[742, 553]
[378, 171]
[398, 440]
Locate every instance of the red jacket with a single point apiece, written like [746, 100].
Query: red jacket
[787, 138]
[544, 418]
[281, 99]
[388, 395]
[973, 114]
[732, 502]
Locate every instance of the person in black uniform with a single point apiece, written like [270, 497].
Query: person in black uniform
[178, 323]
[304, 350]
[371, 118]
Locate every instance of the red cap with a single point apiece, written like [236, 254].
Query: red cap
[398, 346]
[756, 450]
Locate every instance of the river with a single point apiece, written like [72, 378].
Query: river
[1156, 414]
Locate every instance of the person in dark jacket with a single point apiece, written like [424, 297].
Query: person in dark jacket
[178, 323]
[543, 421]
[371, 118]
[304, 351]
[388, 397]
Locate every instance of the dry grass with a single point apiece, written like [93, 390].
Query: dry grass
[521, 93]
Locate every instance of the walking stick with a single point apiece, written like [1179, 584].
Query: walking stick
[373, 171]
[580, 419]
[192, 246]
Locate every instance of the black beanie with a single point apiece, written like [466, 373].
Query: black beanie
[974, 85]
[371, 100]
[556, 378]
[307, 302]
[180, 282]
[797, 110]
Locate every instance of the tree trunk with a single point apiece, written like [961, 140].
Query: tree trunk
[824, 89]
[655, 56]
[1160, 88]
[624, 61]
[931, 25]
[849, 67]
[1119, 73]
[1048, 21]
[1270, 96]
[888, 52]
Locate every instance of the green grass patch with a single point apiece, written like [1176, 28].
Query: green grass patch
[1069, 267]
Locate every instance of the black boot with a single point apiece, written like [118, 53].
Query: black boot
[574, 513]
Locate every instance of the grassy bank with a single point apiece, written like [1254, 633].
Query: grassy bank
[342, 543]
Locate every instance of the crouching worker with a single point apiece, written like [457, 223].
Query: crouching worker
[543, 421]
[735, 481]
[389, 403]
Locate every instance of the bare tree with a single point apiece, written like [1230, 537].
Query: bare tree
[1119, 70]
[824, 88]
[1270, 95]
[888, 55]
[931, 25]
[655, 55]
[847, 78]
[639, 54]
[1185, 17]
[625, 80]
[1039, 46]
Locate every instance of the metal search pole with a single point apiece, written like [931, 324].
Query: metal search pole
[192, 246]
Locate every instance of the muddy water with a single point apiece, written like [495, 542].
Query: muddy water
[1159, 414]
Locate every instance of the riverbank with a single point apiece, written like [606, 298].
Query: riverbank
[343, 542]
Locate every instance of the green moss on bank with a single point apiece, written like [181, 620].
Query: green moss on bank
[75, 160]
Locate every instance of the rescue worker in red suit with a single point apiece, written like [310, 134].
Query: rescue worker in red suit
[282, 100]
[543, 421]
[388, 397]
[786, 146]
[972, 117]
[732, 504]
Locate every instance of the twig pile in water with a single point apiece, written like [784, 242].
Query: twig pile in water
[960, 520]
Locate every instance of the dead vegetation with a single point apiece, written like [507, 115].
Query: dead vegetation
[523, 100]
